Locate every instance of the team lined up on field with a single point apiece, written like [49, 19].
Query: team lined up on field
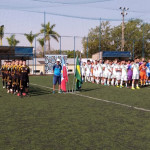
[15, 77]
[117, 73]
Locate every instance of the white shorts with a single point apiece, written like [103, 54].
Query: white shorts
[100, 74]
[118, 76]
[107, 75]
[124, 77]
[113, 76]
[135, 76]
[88, 74]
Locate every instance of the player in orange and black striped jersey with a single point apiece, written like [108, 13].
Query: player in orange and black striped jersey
[14, 74]
[3, 70]
[9, 77]
[24, 79]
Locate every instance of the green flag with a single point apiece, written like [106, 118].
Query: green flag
[78, 74]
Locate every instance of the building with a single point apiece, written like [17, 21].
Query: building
[111, 55]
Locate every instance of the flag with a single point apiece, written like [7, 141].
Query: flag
[78, 74]
[64, 76]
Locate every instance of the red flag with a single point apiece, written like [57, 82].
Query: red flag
[64, 78]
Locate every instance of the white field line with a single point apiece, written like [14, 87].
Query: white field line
[106, 101]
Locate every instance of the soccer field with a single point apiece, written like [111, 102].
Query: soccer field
[96, 118]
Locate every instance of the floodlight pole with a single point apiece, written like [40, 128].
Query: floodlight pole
[123, 13]
[133, 50]
[87, 48]
[143, 42]
[74, 52]
[99, 38]
[60, 45]
[35, 55]
[44, 33]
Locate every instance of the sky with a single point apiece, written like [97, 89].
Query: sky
[72, 17]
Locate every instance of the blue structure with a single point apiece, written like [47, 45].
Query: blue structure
[116, 54]
[17, 52]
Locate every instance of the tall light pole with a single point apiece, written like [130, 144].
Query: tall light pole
[123, 13]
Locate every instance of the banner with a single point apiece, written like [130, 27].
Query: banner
[50, 60]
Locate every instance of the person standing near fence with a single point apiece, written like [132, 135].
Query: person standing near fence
[57, 76]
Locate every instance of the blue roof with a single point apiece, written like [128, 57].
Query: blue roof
[116, 54]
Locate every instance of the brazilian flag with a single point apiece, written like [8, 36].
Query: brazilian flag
[78, 74]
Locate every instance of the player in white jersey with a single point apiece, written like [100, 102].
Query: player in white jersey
[91, 72]
[88, 71]
[124, 73]
[106, 72]
[100, 71]
[136, 74]
[148, 72]
[110, 69]
[118, 73]
[83, 71]
[95, 72]
[114, 66]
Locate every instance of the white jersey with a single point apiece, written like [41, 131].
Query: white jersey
[100, 68]
[105, 66]
[118, 69]
[124, 70]
[88, 70]
[135, 68]
[83, 69]
[114, 66]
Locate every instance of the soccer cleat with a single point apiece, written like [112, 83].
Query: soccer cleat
[18, 94]
[133, 88]
[117, 86]
[24, 94]
[137, 87]
[60, 92]
[53, 92]
[3, 87]
[121, 86]
[8, 91]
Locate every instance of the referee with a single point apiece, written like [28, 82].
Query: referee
[57, 76]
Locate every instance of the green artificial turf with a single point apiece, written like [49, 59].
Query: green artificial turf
[47, 121]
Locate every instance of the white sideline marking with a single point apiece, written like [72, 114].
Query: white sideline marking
[106, 101]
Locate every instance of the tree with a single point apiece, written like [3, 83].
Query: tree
[93, 39]
[41, 42]
[30, 37]
[136, 32]
[1, 34]
[49, 33]
[12, 41]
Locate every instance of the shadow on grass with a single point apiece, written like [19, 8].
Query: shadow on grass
[36, 91]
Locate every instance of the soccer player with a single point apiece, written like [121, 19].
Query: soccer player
[142, 69]
[9, 77]
[114, 66]
[100, 71]
[57, 76]
[24, 71]
[3, 70]
[130, 72]
[124, 74]
[88, 70]
[83, 71]
[136, 74]
[148, 71]
[118, 73]
[95, 72]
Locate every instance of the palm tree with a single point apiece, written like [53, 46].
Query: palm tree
[41, 42]
[1, 34]
[30, 37]
[12, 41]
[49, 33]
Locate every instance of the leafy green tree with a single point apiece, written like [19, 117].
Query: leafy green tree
[1, 34]
[41, 42]
[12, 41]
[49, 33]
[30, 37]
[135, 32]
